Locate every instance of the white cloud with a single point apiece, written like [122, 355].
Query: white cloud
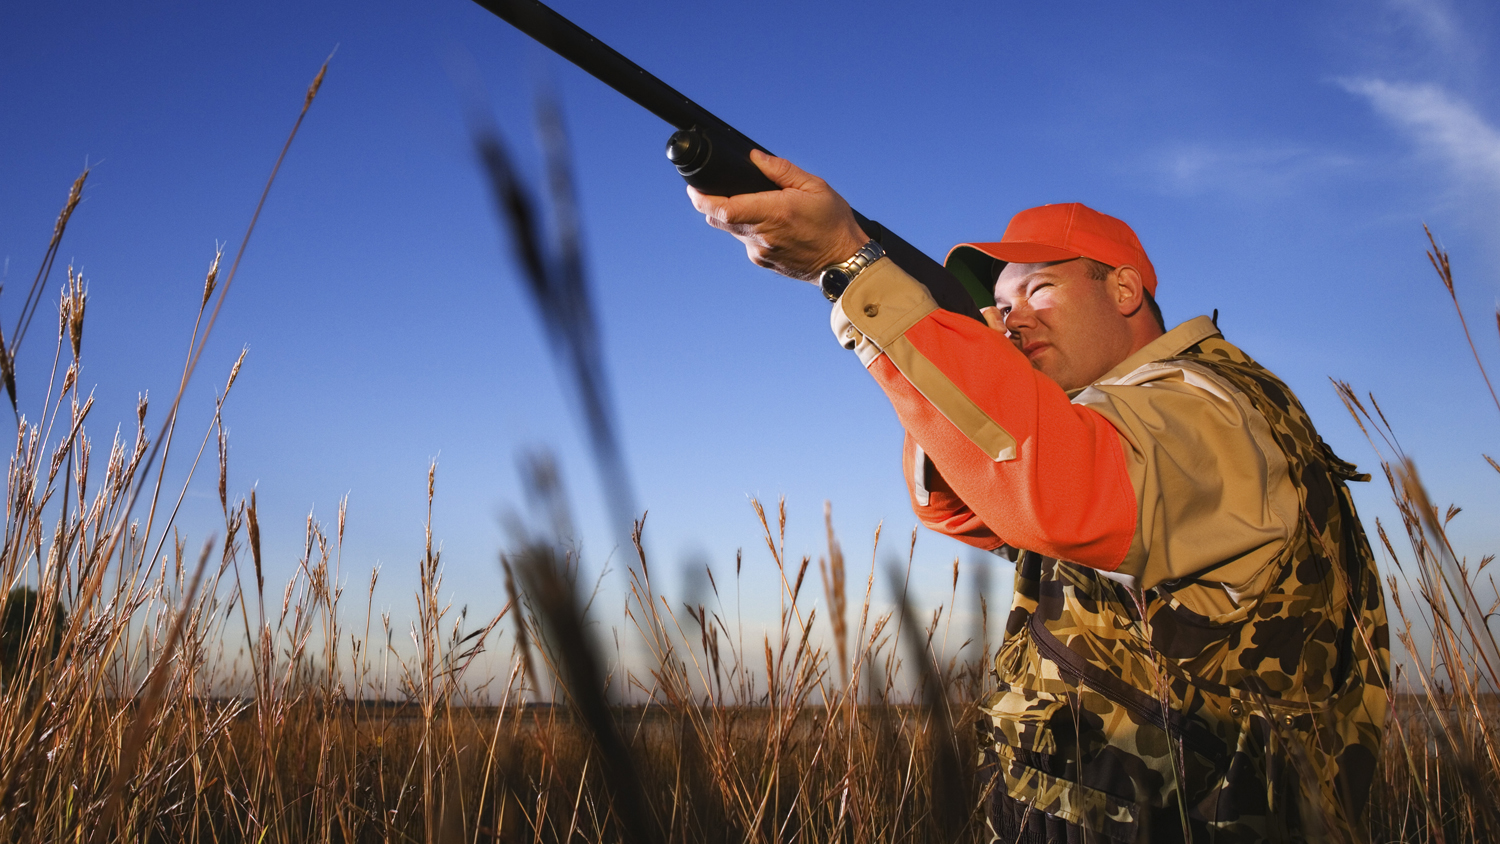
[1435, 21]
[1243, 170]
[1442, 125]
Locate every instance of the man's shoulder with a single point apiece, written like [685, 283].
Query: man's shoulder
[1196, 352]
[1168, 345]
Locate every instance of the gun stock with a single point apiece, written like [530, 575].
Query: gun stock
[708, 153]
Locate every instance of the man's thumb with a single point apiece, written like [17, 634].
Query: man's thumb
[993, 319]
[784, 173]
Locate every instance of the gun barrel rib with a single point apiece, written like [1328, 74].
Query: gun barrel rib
[604, 63]
[599, 60]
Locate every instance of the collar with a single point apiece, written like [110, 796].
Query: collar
[1171, 344]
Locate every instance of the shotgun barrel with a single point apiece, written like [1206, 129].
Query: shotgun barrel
[709, 154]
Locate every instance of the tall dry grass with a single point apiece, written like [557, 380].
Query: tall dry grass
[128, 714]
[1439, 777]
[157, 690]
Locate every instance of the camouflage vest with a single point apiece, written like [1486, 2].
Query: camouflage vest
[1135, 718]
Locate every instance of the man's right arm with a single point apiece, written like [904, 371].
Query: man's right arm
[1035, 470]
[1045, 474]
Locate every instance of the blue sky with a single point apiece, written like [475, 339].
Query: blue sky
[1277, 160]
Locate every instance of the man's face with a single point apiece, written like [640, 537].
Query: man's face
[1067, 324]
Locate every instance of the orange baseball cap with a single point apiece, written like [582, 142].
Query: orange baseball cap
[1050, 233]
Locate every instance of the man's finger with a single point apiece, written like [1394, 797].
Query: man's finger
[784, 173]
[705, 203]
[756, 253]
[720, 211]
[745, 209]
[739, 230]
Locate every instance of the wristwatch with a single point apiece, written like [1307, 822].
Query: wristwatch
[837, 277]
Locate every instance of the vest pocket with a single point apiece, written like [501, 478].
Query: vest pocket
[1191, 732]
[1107, 817]
[1021, 718]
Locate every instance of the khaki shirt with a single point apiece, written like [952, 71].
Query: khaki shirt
[1213, 495]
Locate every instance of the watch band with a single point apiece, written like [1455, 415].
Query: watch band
[835, 279]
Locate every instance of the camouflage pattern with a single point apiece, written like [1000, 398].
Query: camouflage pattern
[1122, 716]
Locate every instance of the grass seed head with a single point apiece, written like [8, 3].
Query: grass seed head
[212, 279]
[253, 520]
[75, 298]
[75, 195]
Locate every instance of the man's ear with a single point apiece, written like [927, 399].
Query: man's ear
[1128, 289]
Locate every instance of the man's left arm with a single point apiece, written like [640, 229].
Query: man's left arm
[938, 506]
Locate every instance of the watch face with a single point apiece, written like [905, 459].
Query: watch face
[833, 281]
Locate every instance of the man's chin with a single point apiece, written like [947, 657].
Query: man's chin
[1051, 376]
[1055, 374]
[1043, 361]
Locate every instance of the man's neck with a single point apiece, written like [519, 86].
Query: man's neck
[1142, 332]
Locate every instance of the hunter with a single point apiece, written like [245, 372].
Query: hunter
[1197, 647]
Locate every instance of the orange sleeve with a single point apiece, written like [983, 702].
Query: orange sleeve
[936, 504]
[1032, 467]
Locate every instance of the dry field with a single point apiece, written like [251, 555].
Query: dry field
[124, 716]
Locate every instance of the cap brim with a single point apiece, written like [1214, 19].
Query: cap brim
[976, 265]
[1015, 252]
[975, 270]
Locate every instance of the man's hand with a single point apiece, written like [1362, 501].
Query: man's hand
[796, 231]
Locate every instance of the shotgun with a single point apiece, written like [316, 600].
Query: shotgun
[708, 153]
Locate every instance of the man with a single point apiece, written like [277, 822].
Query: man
[1197, 646]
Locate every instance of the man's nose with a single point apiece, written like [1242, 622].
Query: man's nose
[1017, 318]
